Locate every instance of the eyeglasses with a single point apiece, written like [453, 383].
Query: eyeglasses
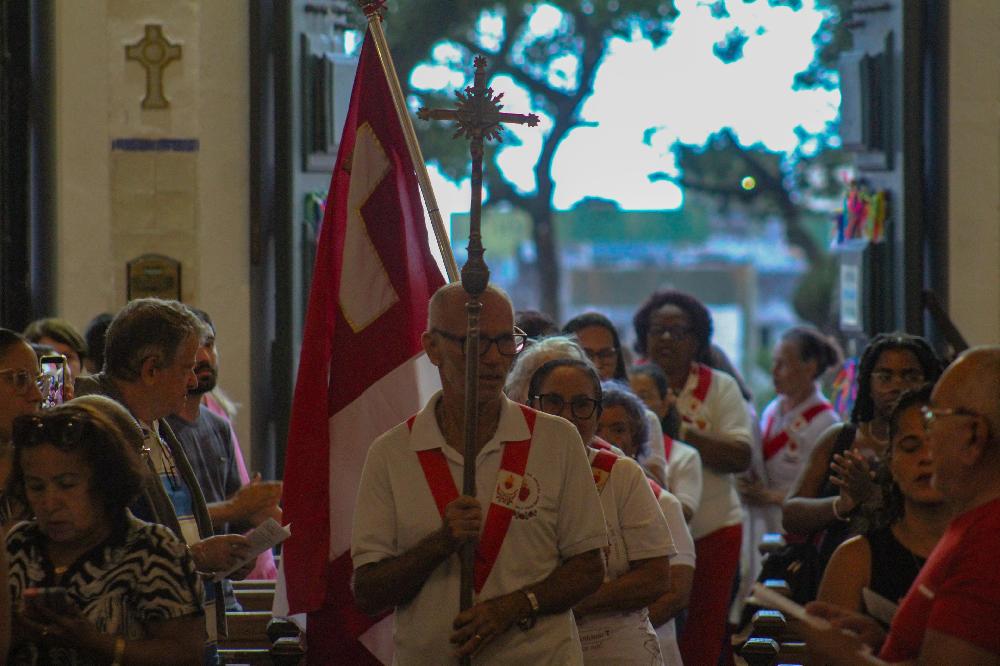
[21, 380]
[932, 414]
[62, 430]
[581, 407]
[674, 332]
[906, 376]
[606, 354]
[508, 344]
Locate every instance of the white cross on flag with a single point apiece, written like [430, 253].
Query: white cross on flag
[361, 369]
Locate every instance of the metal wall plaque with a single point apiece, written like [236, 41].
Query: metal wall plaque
[153, 275]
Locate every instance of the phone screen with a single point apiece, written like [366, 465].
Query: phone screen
[55, 367]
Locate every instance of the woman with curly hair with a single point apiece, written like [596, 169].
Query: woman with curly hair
[623, 423]
[837, 479]
[674, 330]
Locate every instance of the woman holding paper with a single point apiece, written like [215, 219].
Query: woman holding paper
[92, 583]
[871, 573]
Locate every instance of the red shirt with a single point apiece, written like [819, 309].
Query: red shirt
[958, 590]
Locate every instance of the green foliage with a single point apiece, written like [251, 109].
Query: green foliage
[831, 38]
[557, 70]
[569, 55]
[730, 49]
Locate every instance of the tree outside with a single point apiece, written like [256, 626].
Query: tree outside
[555, 59]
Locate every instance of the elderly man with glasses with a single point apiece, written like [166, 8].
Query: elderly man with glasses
[951, 614]
[536, 517]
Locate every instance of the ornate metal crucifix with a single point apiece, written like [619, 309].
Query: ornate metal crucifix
[479, 119]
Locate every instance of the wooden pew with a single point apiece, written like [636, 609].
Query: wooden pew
[255, 636]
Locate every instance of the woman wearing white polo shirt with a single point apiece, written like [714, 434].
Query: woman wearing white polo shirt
[623, 424]
[614, 621]
[674, 330]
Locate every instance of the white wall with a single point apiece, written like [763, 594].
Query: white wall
[112, 206]
[974, 168]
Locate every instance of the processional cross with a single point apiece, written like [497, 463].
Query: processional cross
[479, 119]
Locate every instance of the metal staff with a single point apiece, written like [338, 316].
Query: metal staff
[479, 119]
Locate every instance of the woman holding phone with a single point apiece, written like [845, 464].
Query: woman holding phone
[21, 388]
[91, 583]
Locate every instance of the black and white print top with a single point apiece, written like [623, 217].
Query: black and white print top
[141, 574]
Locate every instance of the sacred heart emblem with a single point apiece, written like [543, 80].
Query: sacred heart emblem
[508, 486]
[527, 498]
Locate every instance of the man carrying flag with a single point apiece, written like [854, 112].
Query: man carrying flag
[361, 369]
[536, 516]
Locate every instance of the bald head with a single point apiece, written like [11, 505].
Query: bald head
[972, 382]
[447, 306]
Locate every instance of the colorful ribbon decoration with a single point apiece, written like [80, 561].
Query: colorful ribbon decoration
[845, 388]
[863, 215]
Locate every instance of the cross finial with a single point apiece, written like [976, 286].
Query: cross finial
[154, 53]
[479, 118]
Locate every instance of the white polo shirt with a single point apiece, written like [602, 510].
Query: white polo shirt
[637, 530]
[783, 467]
[684, 474]
[672, 511]
[722, 412]
[656, 462]
[557, 516]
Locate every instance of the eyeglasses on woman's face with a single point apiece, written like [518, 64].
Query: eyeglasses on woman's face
[605, 355]
[580, 406]
[672, 332]
[908, 377]
[508, 344]
[21, 380]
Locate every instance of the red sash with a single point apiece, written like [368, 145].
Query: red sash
[444, 490]
[689, 411]
[704, 382]
[601, 466]
[772, 445]
[668, 446]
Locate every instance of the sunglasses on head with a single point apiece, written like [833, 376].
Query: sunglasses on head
[64, 431]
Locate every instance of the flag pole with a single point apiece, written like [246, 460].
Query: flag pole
[372, 9]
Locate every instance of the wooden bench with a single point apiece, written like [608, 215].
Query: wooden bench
[254, 595]
[247, 629]
[249, 657]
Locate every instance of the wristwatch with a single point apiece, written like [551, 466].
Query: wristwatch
[528, 621]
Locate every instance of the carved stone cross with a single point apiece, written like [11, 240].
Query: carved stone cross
[154, 53]
[479, 119]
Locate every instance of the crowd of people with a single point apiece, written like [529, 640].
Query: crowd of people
[620, 494]
[689, 479]
[123, 504]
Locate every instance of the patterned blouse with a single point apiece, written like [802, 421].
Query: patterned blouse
[142, 573]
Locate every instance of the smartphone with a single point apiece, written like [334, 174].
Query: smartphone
[54, 365]
[53, 599]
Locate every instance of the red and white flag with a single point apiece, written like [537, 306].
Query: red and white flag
[361, 369]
